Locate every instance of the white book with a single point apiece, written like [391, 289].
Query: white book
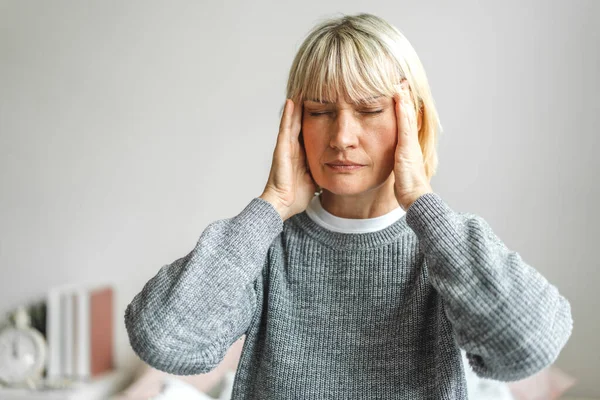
[82, 332]
[53, 334]
[55, 330]
[67, 323]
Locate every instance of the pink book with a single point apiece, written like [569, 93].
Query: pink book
[101, 331]
[93, 331]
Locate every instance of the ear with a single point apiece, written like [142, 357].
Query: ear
[419, 119]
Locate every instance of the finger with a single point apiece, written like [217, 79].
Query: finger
[292, 120]
[283, 123]
[284, 138]
[297, 121]
[404, 117]
[400, 112]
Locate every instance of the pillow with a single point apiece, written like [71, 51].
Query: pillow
[176, 389]
[548, 384]
[149, 381]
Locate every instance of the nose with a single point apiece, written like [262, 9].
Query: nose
[345, 130]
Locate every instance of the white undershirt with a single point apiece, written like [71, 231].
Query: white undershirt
[318, 214]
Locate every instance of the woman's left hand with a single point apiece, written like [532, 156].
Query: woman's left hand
[409, 169]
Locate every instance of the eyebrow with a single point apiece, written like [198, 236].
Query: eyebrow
[367, 100]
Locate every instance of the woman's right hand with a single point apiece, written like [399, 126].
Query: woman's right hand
[290, 186]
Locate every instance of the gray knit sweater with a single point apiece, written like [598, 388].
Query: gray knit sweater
[330, 315]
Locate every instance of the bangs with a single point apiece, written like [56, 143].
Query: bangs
[349, 65]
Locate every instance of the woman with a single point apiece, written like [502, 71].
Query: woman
[370, 288]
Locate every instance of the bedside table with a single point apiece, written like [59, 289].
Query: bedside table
[100, 388]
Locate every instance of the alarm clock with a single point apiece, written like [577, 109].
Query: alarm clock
[23, 351]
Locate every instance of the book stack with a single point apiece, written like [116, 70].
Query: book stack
[79, 331]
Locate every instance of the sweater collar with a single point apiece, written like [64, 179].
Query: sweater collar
[348, 233]
[334, 223]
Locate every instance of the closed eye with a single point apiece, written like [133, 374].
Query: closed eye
[314, 114]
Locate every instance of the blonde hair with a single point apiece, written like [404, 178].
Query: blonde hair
[358, 57]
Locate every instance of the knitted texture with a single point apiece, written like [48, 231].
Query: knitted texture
[329, 315]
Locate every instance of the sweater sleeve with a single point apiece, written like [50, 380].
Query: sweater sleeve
[188, 315]
[508, 318]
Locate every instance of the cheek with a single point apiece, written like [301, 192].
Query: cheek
[312, 135]
[387, 132]
[312, 146]
[389, 125]
[386, 145]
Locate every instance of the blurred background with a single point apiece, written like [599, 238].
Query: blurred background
[127, 127]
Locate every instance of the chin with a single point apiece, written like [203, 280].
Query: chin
[345, 188]
[349, 184]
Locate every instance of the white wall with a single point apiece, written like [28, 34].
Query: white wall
[127, 127]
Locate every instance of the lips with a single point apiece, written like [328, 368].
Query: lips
[344, 163]
[344, 168]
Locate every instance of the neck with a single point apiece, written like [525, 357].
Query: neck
[369, 204]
